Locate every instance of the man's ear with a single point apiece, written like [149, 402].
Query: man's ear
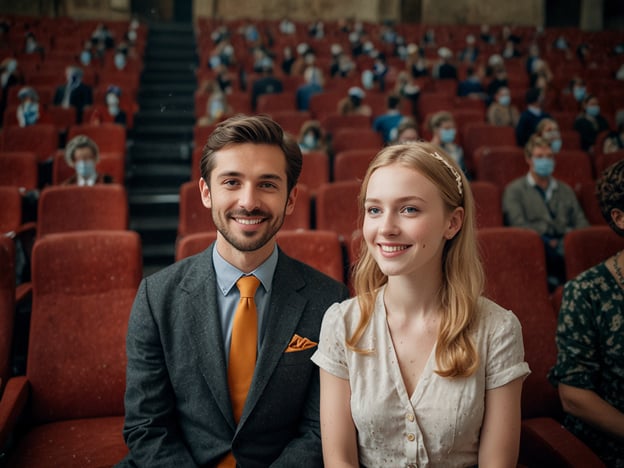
[290, 202]
[617, 216]
[205, 193]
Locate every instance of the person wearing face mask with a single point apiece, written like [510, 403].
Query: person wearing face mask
[352, 103]
[9, 76]
[549, 130]
[544, 204]
[217, 107]
[311, 137]
[74, 92]
[590, 122]
[313, 84]
[28, 112]
[501, 112]
[442, 126]
[527, 123]
[83, 154]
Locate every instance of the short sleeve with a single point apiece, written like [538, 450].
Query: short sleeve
[578, 362]
[505, 360]
[331, 352]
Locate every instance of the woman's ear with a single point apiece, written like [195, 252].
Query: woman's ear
[617, 216]
[455, 222]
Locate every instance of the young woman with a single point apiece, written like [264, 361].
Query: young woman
[419, 369]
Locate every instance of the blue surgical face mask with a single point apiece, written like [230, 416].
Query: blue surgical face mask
[85, 57]
[309, 140]
[555, 145]
[85, 169]
[579, 93]
[592, 110]
[504, 100]
[543, 167]
[216, 108]
[447, 135]
[120, 61]
[30, 111]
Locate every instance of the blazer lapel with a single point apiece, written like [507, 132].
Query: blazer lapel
[203, 329]
[284, 313]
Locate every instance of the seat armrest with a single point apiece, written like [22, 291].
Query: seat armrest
[12, 404]
[545, 442]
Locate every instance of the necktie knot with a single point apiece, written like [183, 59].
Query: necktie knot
[247, 286]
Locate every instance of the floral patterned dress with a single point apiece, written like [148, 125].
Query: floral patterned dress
[590, 342]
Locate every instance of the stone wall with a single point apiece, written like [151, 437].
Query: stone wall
[525, 12]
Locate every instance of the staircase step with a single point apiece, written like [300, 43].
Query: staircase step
[148, 152]
[166, 89]
[174, 76]
[168, 132]
[158, 117]
[160, 175]
[163, 206]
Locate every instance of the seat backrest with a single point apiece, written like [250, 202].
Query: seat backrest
[19, 169]
[7, 305]
[284, 101]
[319, 249]
[63, 117]
[65, 208]
[325, 103]
[337, 207]
[586, 194]
[84, 284]
[291, 121]
[192, 244]
[573, 167]
[11, 212]
[515, 269]
[41, 139]
[315, 171]
[110, 137]
[500, 164]
[604, 160]
[356, 138]
[488, 203]
[112, 164]
[589, 246]
[352, 164]
[333, 122]
[483, 134]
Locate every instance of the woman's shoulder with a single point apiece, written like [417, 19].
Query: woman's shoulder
[493, 316]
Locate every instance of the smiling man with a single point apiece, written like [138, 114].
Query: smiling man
[218, 377]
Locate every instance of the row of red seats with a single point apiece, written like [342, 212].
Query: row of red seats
[100, 303]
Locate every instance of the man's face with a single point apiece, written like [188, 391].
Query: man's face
[84, 154]
[249, 198]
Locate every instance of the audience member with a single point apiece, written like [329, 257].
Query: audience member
[313, 84]
[548, 129]
[615, 140]
[444, 69]
[74, 92]
[419, 348]
[590, 339]
[28, 111]
[527, 123]
[311, 137]
[540, 202]
[217, 106]
[83, 154]
[111, 110]
[502, 112]
[415, 62]
[352, 103]
[268, 83]
[386, 124]
[469, 53]
[9, 77]
[590, 122]
[407, 131]
[444, 132]
[471, 87]
[210, 385]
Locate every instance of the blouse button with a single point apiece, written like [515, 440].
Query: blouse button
[411, 437]
[410, 417]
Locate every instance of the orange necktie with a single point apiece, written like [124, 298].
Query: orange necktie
[244, 345]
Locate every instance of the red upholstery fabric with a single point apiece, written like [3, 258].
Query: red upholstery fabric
[352, 164]
[586, 194]
[483, 134]
[500, 164]
[41, 139]
[192, 244]
[72, 208]
[315, 171]
[337, 207]
[356, 138]
[268, 103]
[334, 122]
[488, 203]
[291, 121]
[18, 168]
[11, 212]
[573, 167]
[602, 161]
[589, 246]
[7, 305]
[109, 137]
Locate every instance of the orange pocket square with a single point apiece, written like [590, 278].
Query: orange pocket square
[298, 343]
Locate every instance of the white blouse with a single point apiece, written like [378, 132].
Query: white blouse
[439, 424]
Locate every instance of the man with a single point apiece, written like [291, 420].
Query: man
[548, 206]
[180, 407]
[82, 153]
[386, 124]
[74, 92]
[531, 116]
[268, 83]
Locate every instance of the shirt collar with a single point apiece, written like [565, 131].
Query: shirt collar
[552, 184]
[227, 274]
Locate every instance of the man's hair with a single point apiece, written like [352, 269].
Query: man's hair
[532, 95]
[393, 101]
[610, 192]
[80, 141]
[258, 130]
[439, 118]
[536, 141]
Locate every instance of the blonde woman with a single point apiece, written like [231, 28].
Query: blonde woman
[419, 369]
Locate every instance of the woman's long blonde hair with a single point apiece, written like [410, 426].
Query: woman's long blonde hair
[462, 273]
